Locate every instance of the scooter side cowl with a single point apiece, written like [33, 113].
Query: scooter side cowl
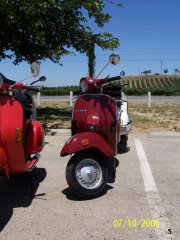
[34, 138]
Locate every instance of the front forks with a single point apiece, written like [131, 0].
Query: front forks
[111, 165]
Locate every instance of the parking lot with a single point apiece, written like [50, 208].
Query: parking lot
[143, 203]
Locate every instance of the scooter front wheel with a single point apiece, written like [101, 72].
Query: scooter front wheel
[86, 175]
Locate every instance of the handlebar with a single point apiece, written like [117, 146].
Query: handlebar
[32, 88]
[113, 78]
[21, 86]
[7, 84]
[114, 88]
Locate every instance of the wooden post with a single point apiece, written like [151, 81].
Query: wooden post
[149, 99]
[38, 98]
[71, 98]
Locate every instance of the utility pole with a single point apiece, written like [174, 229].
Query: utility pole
[161, 67]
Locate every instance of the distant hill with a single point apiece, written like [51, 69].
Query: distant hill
[157, 84]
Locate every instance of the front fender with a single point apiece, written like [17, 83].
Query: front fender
[84, 141]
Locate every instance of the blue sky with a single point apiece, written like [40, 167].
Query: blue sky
[149, 34]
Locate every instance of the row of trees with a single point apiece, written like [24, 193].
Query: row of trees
[62, 91]
[163, 86]
[165, 71]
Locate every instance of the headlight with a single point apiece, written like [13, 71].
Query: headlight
[1, 81]
[83, 85]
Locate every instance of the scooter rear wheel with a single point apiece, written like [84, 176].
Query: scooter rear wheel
[86, 175]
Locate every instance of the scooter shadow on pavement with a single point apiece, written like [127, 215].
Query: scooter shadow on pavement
[18, 191]
[70, 195]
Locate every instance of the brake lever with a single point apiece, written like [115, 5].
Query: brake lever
[106, 78]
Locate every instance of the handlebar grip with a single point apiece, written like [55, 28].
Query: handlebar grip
[113, 78]
[33, 88]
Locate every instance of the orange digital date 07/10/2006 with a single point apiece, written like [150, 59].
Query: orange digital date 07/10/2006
[136, 223]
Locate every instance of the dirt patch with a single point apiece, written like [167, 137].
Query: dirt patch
[162, 116]
[54, 114]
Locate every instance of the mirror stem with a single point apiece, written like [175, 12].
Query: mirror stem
[102, 70]
[34, 82]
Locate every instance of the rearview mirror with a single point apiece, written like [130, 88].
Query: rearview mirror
[122, 73]
[42, 79]
[35, 69]
[114, 59]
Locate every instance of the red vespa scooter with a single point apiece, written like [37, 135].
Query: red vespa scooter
[95, 134]
[21, 137]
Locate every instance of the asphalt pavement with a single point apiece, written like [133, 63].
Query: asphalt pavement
[143, 203]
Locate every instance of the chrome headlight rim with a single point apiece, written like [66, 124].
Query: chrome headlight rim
[83, 85]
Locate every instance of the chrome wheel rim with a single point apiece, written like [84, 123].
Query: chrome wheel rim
[89, 174]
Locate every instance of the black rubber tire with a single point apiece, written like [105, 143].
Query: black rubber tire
[73, 183]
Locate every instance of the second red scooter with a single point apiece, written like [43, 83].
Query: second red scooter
[21, 136]
[95, 135]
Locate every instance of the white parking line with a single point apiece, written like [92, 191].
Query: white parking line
[164, 232]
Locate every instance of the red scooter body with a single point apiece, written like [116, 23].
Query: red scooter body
[21, 138]
[95, 133]
[94, 125]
